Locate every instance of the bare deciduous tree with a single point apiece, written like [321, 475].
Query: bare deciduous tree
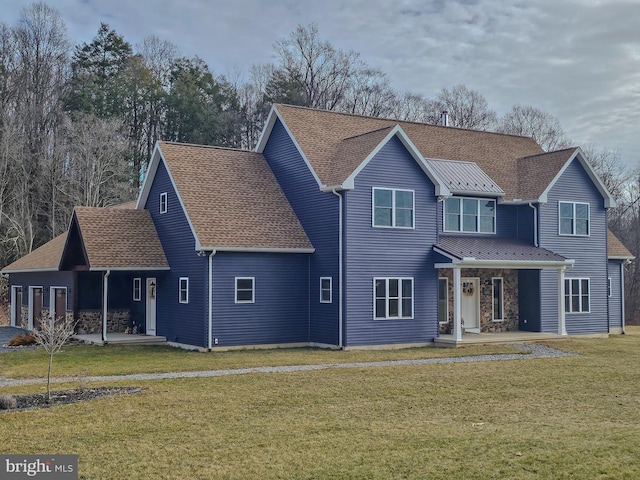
[52, 336]
[530, 121]
[467, 109]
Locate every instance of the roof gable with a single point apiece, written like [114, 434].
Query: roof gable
[231, 199]
[114, 239]
[322, 136]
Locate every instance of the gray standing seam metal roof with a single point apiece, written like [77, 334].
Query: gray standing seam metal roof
[495, 249]
[464, 177]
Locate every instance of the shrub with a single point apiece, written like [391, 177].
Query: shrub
[7, 402]
[20, 340]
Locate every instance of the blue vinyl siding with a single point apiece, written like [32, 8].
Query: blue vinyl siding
[615, 300]
[390, 252]
[179, 322]
[318, 214]
[589, 253]
[279, 314]
[46, 280]
[525, 222]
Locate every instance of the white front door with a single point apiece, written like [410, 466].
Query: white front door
[151, 306]
[470, 308]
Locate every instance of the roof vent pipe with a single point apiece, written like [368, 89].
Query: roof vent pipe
[445, 118]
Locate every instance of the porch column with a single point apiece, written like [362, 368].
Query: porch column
[562, 327]
[457, 306]
[105, 300]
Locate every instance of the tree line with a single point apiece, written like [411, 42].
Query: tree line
[78, 123]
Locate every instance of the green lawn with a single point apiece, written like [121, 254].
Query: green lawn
[558, 418]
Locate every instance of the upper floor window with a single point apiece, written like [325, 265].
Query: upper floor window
[393, 208]
[576, 295]
[183, 290]
[573, 218]
[163, 202]
[473, 215]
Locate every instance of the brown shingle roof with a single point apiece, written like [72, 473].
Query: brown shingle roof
[118, 238]
[536, 172]
[46, 257]
[616, 248]
[232, 198]
[321, 134]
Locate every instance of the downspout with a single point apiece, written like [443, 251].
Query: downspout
[535, 224]
[105, 297]
[210, 302]
[340, 300]
[622, 294]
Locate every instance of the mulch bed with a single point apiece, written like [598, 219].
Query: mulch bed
[63, 397]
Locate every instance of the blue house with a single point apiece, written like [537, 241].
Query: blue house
[342, 231]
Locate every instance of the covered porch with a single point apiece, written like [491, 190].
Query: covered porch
[490, 290]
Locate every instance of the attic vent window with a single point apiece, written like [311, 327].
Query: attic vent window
[163, 202]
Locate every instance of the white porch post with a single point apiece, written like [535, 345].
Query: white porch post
[457, 306]
[562, 327]
[105, 299]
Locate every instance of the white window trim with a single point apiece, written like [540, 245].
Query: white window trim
[570, 293]
[31, 320]
[446, 299]
[185, 290]
[493, 309]
[588, 234]
[393, 208]
[399, 317]
[137, 298]
[253, 289]
[461, 215]
[52, 299]
[164, 202]
[330, 289]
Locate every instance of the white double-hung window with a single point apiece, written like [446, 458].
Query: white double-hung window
[573, 218]
[393, 207]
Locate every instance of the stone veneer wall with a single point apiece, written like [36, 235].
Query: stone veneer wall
[90, 321]
[509, 295]
[24, 316]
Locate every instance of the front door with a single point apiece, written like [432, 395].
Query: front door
[470, 308]
[35, 307]
[16, 306]
[151, 306]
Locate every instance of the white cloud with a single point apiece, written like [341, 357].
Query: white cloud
[577, 59]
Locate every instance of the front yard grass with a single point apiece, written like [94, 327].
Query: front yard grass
[90, 360]
[547, 418]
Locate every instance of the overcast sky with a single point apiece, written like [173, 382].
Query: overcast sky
[576, 59]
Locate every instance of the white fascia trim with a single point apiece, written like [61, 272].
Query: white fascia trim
[621, 258]
[510, 264]
[266, 133]
[31, 270]
[128, 269]
[148, 181]
[458, 193]
[259, 249]
[441, 188]
[609, 201]
[519, 201]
